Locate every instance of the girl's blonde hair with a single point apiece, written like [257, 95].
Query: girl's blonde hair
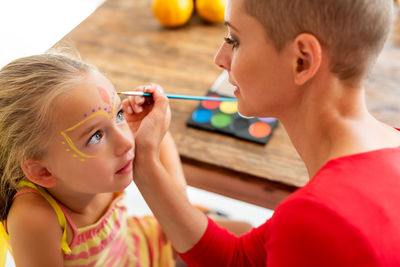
[353, 32]
[29, 88]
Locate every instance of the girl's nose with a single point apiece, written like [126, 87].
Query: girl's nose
[223, 57]
[124, 140]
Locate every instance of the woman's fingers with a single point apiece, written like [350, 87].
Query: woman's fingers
[126, 105]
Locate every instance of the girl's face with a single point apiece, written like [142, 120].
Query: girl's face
[93, 147]
[260, 74]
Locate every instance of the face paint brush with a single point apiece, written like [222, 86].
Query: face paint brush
[186, 97]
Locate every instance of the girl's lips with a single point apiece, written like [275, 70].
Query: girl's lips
[126, 169]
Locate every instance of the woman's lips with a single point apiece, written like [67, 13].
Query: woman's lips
[126, 169]
[236, 92]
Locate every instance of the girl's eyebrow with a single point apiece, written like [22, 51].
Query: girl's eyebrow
[90, 129]
[228, 24]
[97, 124]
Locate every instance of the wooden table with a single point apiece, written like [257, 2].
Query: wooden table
[124, 40]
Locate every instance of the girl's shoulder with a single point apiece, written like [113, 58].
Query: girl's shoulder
[33, 228]
[30, 212]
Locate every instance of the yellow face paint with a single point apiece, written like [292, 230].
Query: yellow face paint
[107, 111]
[71, 144]
[105, 97]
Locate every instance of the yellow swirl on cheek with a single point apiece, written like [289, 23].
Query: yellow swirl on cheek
[71, 144]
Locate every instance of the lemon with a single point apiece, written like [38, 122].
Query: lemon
[172, 13]
[211, 10]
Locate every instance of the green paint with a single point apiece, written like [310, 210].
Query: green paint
[221, 120]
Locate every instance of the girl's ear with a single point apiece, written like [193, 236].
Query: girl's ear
[308, 58]
[38, 173]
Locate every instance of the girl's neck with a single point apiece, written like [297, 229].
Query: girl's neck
[331, 122]
[84, 209]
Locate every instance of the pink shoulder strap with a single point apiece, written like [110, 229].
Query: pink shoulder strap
[24, 191]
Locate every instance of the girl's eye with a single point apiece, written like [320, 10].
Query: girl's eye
[95, 138]
[120, 116]
[230, 40]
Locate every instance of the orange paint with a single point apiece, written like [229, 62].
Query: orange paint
[260, 129]
[104, 95]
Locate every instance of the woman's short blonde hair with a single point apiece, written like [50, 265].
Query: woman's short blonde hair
[353, 32]
[29, 88]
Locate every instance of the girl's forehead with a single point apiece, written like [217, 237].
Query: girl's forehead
[85, 101]
[96, 90]
[92, 96]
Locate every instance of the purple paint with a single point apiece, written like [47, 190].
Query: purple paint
[268, 119]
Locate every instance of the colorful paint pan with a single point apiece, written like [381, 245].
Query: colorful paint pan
[223, 117]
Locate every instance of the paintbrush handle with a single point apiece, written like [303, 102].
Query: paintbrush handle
[207, 98]
[187, 97]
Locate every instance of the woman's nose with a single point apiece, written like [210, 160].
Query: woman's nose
[124, 140]
[223, 57]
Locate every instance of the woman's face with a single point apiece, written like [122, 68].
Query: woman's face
[261, 74]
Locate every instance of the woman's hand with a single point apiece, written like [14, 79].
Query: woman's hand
[157, 171]
[148, 119]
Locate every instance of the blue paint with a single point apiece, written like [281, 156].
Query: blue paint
[202, 115]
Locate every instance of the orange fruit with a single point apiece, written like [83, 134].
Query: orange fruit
[212, 11]
[172, 13]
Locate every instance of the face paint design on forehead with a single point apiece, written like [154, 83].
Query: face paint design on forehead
[107, 110]
[109, 101]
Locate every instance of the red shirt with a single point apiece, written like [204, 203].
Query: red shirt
[347, 215]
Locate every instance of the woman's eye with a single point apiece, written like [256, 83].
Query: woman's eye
[95, 138]
[230, 40]
[120, 116]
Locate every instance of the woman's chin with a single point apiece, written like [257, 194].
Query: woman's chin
[245, 113]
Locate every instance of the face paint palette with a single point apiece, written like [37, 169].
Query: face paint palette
[223, 117]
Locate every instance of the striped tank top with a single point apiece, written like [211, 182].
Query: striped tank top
[114, 240]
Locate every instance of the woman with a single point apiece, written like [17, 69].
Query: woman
[303, 62]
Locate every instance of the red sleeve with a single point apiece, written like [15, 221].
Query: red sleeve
[219, 248]
[306, 233]
[302, 232]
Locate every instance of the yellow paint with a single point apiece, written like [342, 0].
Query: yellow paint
[114, 104]
[71, 143]
[101, 112]
[228, 107]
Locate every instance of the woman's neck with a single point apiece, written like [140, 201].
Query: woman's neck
[331, 122]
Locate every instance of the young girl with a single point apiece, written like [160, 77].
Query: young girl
[304, 62]
[66, 156]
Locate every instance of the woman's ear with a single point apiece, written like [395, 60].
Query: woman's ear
[308, 57]
[38, 173]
